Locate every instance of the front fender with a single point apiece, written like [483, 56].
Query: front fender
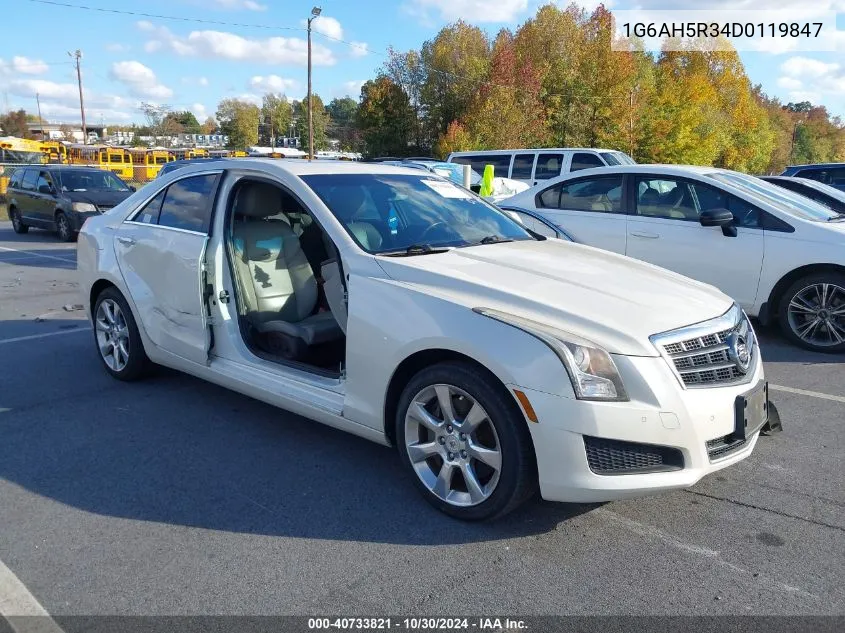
[390, 321]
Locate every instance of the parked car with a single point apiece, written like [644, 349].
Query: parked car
[502, 187]
[778, 254]
[60, 198]
[830, 197]
[832, 174]
[179, 164]
[496, 360]
[535, 222]
[533, 166]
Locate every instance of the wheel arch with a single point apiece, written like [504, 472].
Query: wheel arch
[416, 362]
[775, 296]
[97, 289]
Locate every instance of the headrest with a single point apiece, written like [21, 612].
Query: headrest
[650, 196]
[259, 200]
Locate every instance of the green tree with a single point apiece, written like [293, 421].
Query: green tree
[320, 121]
[239, 121]
[182, 122]
[342, 126]
[384, 118]
[14, 123]
[276, 116]
[408, 72]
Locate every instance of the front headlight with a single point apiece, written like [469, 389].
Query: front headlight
[591, 369]
[83, 207]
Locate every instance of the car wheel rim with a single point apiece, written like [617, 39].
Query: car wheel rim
[112, 335]
[452, 445]
[64, 230]
[817, 314]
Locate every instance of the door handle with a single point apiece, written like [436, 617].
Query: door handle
[223, 296]
[128, 241]
[646, 236]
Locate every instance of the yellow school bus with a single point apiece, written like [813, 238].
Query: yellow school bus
[192, 152]
[146, 163]
[54, 152]
[115, 159]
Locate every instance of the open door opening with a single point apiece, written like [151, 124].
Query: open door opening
[290, 291]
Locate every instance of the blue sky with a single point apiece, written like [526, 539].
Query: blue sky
[189, 65]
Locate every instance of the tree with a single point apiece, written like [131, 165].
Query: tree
[456, 139]
[276, 117]
[320, 120]
[14, 123]
[182, 122]
[384, 118]
[157, 121]
[342, 113]
[408, 72]
[239, 121]
[209, 127]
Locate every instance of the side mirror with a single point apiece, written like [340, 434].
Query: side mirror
[46, 189]
[133, 188]
[719, 217]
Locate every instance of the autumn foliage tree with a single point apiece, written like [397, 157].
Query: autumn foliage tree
[384, 117]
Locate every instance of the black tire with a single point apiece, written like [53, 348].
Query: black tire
[17, 223]
[138, 365]
[788, 325]
[518, 476]
[63, 228]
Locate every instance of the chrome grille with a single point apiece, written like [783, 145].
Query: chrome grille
[702, 354]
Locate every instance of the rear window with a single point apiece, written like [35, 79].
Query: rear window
[548, 166]
[584, 160]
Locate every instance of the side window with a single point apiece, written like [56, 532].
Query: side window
[837, 177]
[29, 178]
[548, 166]
[150, 211]
[532, 223]
[44, 180]
[187, 204]
[15, 178]
[603, 195]
[501, 164]
[582, 160]
[550, 198]
[671, 199]
[745, 213]
[522, 166]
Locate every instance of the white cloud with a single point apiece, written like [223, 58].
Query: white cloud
[474, 11]
[272, 83]
[327, 26]
[29, 66]
[200, 111]
[140, 80]
[224, 45]
[195, 81]
[250, 97]
[351, 88]
[360, 49]
[60, 101]
[808, 79]
[45, 89]
[249, 5]
[117, 47]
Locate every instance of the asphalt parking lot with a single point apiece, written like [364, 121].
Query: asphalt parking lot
[174, 496]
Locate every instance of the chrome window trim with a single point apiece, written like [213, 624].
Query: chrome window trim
[165, 228]
[733, 319]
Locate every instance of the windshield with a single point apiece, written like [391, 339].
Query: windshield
[617, 158]
[833, 192]
[393, 212]
[94, 180]
[454, 172]
[781, 199]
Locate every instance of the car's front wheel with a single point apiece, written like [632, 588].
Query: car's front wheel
[17, 222]
[812, 312]
[465, 442]
[118, 340]
[63, 228]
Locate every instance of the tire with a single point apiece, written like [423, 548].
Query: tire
[127, 363]
[430, 459]
[17, 223]
[811, 312]
[63, 228]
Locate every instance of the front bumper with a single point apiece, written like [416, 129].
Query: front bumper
[660, 413]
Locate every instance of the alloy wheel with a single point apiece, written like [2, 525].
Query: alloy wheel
[62, 227]
[816, 314]
[112, 335]
[452, 445]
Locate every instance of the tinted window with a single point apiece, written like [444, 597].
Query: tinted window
[187, 204]
[548, 166]
[602, 194]
[745, 213]
[581, 160]
[29, 179]
[522, 166]
[530, 222]
[149, 213]
[15, 178]
[830, 176]
[501, 163]
[44, 180]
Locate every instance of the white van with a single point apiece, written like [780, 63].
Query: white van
[534, 165]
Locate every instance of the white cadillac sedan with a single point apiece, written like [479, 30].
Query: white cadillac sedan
[392, 304]
[779, 254]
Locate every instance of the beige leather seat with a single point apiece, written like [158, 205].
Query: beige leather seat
[278, 284]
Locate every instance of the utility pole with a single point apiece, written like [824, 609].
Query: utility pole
[40, 120]
[77, 55]
[315, 12]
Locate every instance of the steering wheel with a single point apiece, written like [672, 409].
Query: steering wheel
[428, 230]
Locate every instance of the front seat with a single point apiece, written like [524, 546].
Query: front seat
[348, 204]
[279, 287]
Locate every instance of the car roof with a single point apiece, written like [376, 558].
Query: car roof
[536, 149]
[816, 165]
[302, 167]
[657, 169]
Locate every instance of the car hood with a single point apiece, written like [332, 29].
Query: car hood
[612, 300]
[99, 197]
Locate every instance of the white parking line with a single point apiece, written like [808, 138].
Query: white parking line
[18, 605]
[804, 392]
[18, 250]
[32, 337]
